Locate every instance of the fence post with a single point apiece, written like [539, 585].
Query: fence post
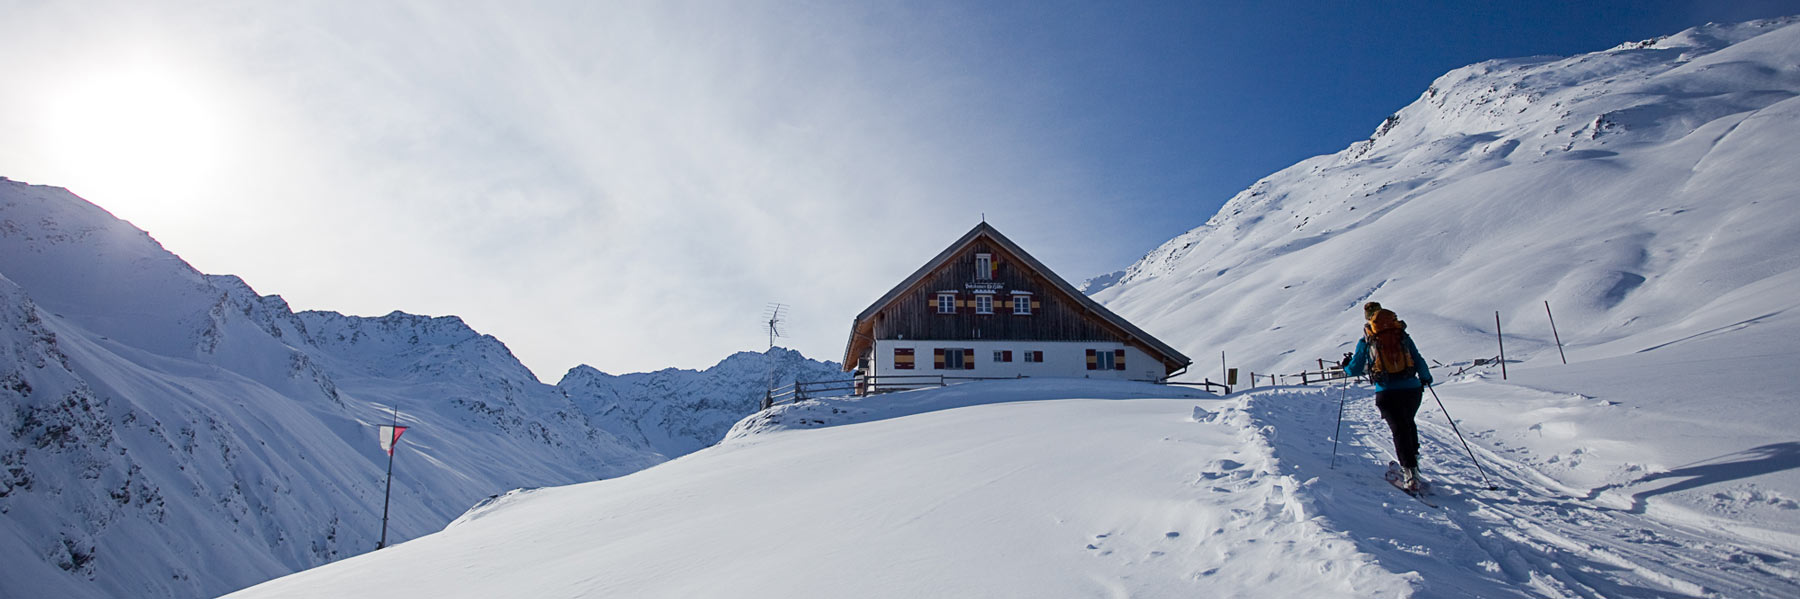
[1559, 351]
[1502, 338]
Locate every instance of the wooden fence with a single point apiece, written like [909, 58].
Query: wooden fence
[872, 385]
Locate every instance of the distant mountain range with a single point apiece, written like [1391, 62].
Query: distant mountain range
[176, 434]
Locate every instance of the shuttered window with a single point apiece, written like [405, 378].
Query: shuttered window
[903, 358]
[953, 359]
[1105, 360]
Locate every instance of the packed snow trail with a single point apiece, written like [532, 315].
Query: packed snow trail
[1534, 537]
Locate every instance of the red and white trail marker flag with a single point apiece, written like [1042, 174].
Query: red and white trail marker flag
[390, 436]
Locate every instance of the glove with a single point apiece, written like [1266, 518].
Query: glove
[1426, 381]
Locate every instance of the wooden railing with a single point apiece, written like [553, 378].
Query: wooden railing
[1207, 384]
[872, 385]
[869, 385]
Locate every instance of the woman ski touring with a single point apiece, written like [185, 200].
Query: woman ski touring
[1386, 354]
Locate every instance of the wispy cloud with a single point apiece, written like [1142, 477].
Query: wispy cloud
[621, 184]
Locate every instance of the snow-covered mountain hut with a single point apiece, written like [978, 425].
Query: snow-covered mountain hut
[985, 308]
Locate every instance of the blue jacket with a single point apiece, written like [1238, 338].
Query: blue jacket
[1419, 377]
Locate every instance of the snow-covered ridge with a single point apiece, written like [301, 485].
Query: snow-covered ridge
[1611, 184]
[174, 434]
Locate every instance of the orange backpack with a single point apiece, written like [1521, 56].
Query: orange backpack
[1388, 358]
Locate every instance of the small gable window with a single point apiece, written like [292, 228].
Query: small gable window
[1021, 304]
[984, 267]
[984, 304]
[946, 303]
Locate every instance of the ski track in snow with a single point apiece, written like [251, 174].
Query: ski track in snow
[1530, 538]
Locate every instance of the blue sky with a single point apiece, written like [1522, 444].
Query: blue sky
[627, 184]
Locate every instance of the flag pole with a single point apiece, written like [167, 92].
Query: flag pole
[388, 495]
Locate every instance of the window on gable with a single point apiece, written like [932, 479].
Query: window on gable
[1021, 304]
[984, 304]
[984, 267]
[946, 303]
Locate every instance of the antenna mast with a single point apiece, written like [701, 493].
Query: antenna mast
[772, 319]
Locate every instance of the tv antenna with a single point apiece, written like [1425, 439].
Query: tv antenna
[772, 319]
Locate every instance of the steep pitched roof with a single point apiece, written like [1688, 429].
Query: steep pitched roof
[863, 320]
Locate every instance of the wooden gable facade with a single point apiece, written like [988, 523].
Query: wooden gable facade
[986, 308]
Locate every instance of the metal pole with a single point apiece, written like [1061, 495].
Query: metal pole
[1459, 437]
[1340, 425]
[388, 495]
[1559, 350]
[1497, 335]
[1223, 375]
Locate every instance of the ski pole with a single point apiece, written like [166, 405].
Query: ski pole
[1459, 437]
[1340, 424]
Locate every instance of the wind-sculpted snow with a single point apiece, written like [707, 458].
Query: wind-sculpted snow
[173, 434]
[1626, 187]
[999, 489]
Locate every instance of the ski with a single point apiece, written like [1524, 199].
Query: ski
[1393, 477]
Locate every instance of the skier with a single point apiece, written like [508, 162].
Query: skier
[1387, 355]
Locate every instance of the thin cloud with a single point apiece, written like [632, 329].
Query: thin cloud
[618, 184]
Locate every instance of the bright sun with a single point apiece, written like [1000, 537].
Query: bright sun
[135, 139]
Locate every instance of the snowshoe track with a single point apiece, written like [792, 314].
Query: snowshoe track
[1531, 538]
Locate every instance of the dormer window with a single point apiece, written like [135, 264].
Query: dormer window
[984, 267]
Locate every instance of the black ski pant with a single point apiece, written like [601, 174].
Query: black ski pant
[1398, 407]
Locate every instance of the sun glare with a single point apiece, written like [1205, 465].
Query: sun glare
[134, 139]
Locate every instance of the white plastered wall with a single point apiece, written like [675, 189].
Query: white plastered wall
[1061, 359]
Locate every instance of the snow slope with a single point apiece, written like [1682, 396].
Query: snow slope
[1645, 192]
[174, 434]
[1632, 189]
[1072, 488]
